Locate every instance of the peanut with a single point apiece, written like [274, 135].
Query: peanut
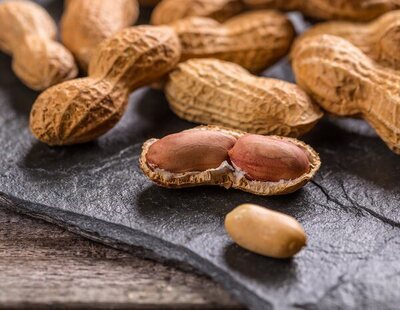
[214, 156]
[253, 40]
[168, 11]
[210, 91]
[85, 23]
[264, 231]
[81, 110]
[346, 82]
[267, 159]
[379, 39]
[28, 35]
[356, 10]
[196, 150]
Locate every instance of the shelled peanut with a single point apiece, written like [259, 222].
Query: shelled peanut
[356, 10]
[253, 40]
[214, 92]
[379, 39]
[264, 231]
[346, 82]
[85, 23]
[81, 110]
[262, 165]
[27, 33]
[168, 11]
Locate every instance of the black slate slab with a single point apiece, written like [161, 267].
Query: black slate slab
[350, 211]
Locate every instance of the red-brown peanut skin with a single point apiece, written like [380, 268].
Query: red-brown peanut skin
[190, 151]
[265, 232]
[267, 159]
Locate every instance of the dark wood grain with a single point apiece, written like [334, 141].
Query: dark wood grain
[42, 265]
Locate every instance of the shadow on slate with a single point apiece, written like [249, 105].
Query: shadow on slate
[350, 211]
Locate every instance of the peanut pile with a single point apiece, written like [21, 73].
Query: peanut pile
[205, 55]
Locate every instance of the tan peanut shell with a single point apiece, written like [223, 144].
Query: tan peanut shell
[81, 110]
[264, 231]
[356, 10]
[253, 40]
[214, 92]
[227, 175]
[346, 82]
[85, 23]
[168, 11]
[27, 33]
[379, 39]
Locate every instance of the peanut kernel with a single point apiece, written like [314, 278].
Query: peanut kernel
[268, 159]
[195, 150]
[264, 231]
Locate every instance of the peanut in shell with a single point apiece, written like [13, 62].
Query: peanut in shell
[214, 92]
[83, 109]
[86, 23]
[253, 40]
[353, 10]
[379, 39]
[168, 11]
[28, 34]
[346, 82]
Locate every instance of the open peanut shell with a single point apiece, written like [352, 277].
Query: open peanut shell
[226, 174]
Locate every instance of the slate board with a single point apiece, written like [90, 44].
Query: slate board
[350, 211]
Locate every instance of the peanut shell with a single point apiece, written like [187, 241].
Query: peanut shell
[168, 11]
[356, 10]
[346, 82]
[81, 110]
[226, 175]
[214, 92]
[85, 23]
[379, 39]
[253, 40]
[27, 33]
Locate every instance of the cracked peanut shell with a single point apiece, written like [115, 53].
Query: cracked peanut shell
[214, 92]
[226, 175]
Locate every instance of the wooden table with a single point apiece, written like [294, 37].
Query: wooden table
[42, 265]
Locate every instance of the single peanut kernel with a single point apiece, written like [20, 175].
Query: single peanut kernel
[265, 232]
[194, 150]
[268, 159]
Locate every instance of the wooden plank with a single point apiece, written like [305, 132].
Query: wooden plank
[43, 265]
